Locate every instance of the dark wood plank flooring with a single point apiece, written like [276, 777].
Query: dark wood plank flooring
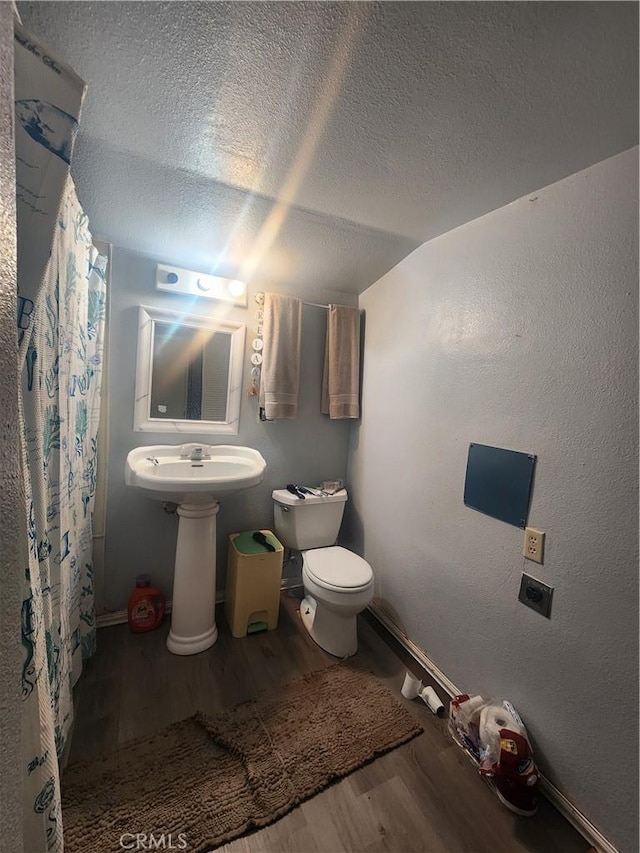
[423, 796]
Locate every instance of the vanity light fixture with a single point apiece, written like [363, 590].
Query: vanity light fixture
[190, 283]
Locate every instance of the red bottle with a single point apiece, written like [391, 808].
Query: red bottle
[146, 606]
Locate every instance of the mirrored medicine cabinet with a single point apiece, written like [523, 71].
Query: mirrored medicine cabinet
[188, 373]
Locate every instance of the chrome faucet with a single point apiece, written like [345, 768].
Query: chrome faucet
[198, 453]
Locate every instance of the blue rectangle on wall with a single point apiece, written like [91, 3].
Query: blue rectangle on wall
[498, 483]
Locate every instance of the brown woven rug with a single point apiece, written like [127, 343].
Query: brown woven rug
[205, 781]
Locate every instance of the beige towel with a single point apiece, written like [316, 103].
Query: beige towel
[282, 335]
[341, 378]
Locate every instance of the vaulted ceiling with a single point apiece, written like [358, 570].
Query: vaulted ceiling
[314, 145]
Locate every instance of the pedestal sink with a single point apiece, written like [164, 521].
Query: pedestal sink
[196, 477]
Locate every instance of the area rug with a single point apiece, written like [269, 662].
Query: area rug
[207, 780]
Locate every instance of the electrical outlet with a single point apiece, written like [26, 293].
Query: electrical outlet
[536, 595]
[533, 544]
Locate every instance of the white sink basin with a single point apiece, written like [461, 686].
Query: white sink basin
[196, 477]
[176, 473]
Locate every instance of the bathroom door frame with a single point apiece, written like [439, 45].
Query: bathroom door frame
[12, 508]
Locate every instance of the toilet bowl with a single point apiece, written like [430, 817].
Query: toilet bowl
[338, 584]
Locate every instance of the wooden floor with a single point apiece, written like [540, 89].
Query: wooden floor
[423, 796]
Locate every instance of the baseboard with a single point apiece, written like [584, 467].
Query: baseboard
[575, 817]
[119, 617]
[415, 651]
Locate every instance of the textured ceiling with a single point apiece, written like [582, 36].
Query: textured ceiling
[315, 144]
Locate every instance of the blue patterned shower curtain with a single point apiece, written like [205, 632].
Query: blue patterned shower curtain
[61, 411]
[61, 314]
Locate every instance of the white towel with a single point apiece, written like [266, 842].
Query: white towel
[282, 335]
[341, 378]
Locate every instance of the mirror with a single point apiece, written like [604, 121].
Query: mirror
[189, 373]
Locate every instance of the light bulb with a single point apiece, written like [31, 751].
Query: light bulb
[236, 288]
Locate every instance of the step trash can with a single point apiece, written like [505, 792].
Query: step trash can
[254, 574]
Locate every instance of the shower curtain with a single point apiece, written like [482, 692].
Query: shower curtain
[61, 312]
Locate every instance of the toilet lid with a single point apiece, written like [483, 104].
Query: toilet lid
[337, 567]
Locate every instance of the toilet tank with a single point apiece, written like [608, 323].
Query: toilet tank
[310, 523]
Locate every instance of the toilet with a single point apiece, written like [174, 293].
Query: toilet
[338, 584]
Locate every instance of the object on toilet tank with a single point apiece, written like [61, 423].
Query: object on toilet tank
[332, 486]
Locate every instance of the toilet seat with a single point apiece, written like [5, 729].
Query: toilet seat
[337, 569]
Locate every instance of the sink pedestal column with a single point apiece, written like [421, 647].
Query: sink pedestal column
[193, 615]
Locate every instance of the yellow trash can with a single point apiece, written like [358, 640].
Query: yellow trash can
[254, 573]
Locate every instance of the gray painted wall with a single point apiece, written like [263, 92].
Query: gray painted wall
[519, 330]
[140, 536]
[12, 518]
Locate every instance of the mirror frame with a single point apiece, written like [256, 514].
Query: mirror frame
[142, 420]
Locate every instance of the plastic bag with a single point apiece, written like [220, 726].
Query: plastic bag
[492, 733]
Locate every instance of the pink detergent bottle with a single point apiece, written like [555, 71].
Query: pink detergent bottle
[146, 606]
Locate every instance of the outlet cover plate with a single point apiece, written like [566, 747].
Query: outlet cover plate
[533, 548]
[536, 595]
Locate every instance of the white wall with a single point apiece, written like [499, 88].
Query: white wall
[11, 515]
[140, 537]
[518, 330]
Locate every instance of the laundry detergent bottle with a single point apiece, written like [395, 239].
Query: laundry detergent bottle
[146, 606]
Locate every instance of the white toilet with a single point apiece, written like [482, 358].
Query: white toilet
[338, 584]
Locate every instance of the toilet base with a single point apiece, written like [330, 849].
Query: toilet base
[307, 613]
[337, 634]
